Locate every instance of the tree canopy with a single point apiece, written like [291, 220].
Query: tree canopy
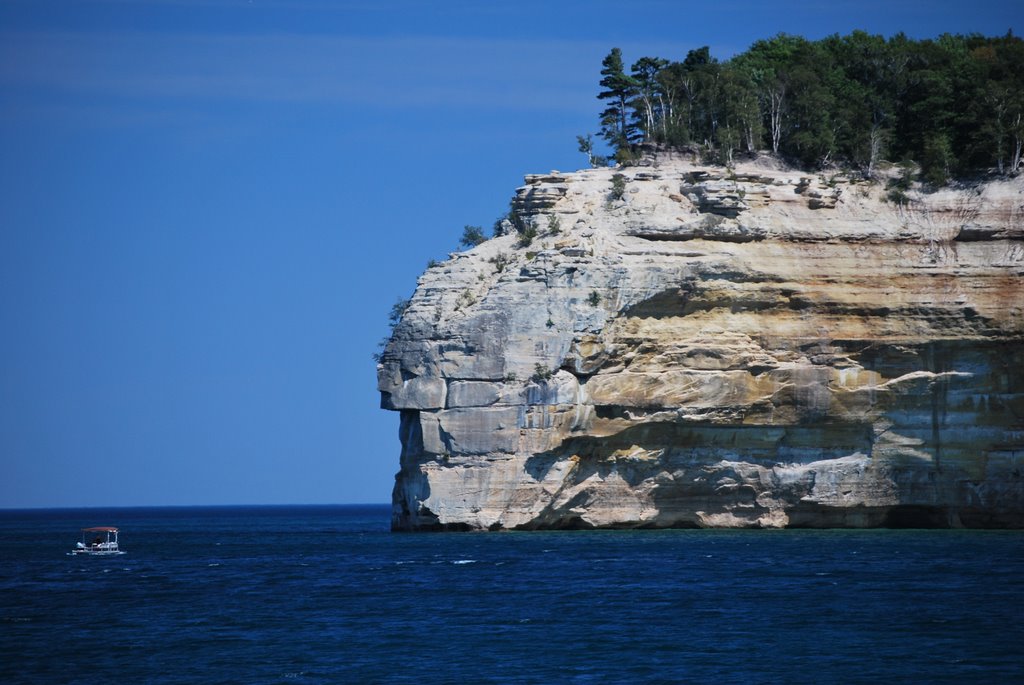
[953, 104]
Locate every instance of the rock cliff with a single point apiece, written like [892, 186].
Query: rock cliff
[753, 347]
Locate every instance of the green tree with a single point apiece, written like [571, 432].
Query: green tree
[648, 104]
[926, 108]
[769, 63]
[993, 116]
[740, 110]
[937, 159]
[809, 114]
[472, 236]
[863, 85]
[619, 89]
[398, 311]
[672, 82]
[586, 146]
[701, 88]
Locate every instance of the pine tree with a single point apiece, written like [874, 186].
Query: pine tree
[619, 89]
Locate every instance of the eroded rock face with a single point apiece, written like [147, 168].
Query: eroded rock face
[752, 348]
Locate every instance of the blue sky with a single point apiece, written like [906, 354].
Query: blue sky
[207, 208]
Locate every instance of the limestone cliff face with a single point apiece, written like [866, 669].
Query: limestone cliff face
[755, 347]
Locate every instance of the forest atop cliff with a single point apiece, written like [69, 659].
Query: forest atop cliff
[953, 104]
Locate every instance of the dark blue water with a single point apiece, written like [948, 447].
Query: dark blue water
[328, 595]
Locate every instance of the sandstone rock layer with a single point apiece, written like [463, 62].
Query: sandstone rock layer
[752, 347]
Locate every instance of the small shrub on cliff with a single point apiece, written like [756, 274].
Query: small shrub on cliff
[897, 196]
[472, 236]
[899, 186]
[394, 318]
[500, 261]
[502, 226]
[526, 236]
[554, 225]
[513, 217]
[541, 373]
[379, 354]
[397, 311]
[618, 187]
[594, 298]
[466, 299]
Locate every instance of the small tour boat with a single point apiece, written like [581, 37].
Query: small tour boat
[101, 540]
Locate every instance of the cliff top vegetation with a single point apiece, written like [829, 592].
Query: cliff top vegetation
[953, 104]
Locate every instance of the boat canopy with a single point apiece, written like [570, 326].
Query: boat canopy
[100, 529]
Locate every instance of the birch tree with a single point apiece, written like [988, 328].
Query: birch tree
[648, 104]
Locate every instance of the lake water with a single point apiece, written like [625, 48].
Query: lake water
[329, 595]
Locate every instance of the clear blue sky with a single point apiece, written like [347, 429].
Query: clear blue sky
[207, 208]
